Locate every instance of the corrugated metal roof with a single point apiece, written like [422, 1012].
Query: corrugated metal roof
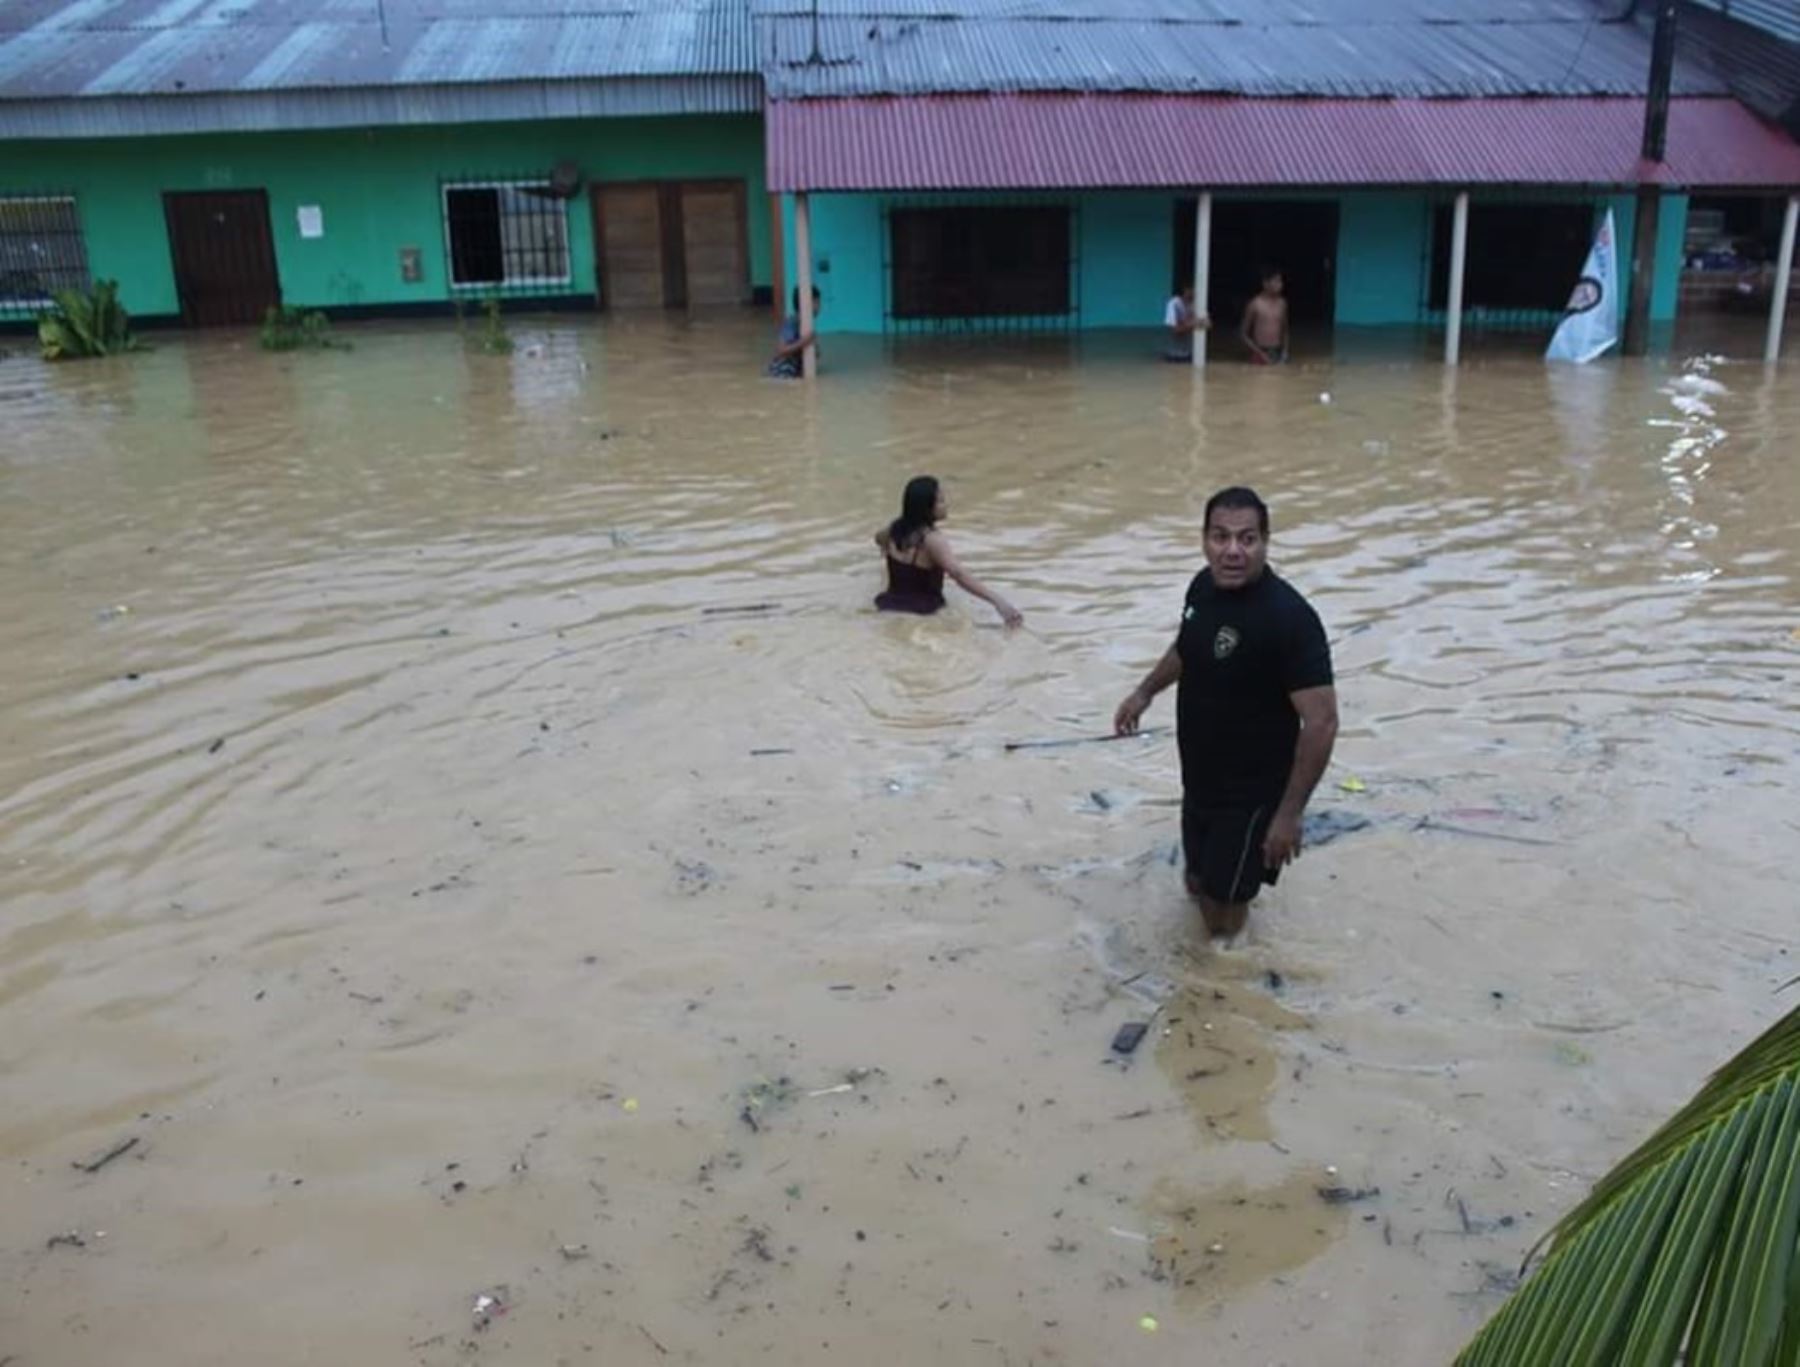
[1281, 48]
[57, 49]
[269, 111]
[1073, 141]
[1780, 17]
[1763, 71]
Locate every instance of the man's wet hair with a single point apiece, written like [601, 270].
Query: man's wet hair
[816, 297]
[1238, 496]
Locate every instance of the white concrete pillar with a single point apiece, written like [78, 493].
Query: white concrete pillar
[1202, 269]
[1459, 257]
[1784, 279]
[803, 272]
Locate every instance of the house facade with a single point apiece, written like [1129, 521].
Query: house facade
[217, 160]
[981, 165]
[967, 165]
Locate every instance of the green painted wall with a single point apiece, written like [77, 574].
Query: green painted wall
[378, 188]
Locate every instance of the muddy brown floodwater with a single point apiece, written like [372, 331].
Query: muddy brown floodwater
[398, 842]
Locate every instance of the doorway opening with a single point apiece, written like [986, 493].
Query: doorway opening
[1298, 237]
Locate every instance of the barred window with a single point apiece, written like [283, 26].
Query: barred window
[506, 234]
[41, 251]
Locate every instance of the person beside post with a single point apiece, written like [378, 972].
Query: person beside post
[1181, 322]
[789, 360]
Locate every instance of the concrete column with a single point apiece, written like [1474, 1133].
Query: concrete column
[1202, 269]
[803, 269]
[1459, 257]
[1784, 279]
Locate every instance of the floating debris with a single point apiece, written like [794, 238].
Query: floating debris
[1129, 1036]
[1012, 745]
[119, 1150]
[490, 1305]
[1343, 1196]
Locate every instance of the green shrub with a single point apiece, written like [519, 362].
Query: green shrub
[86, 323]
[494, 339]
[292, 329]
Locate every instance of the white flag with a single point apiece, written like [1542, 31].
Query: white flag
[1590, 325]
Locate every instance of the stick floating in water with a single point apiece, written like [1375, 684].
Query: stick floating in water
[1426, 823]
[1081, 740]
[738, 607]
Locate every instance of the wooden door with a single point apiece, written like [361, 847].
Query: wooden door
[628, 232]
[224, 256]
[713, 247]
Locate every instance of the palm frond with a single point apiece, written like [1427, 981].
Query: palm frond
[1691, 1243]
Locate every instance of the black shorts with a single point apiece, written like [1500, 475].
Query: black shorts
[1224, 850]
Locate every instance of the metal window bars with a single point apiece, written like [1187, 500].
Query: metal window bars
[42, 250]
[506, 235]
[1525, 254]
[980, 265]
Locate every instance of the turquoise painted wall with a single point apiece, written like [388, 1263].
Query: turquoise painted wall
[1126, 245]
[378, 188]
[1380, 262]
[1671, 228]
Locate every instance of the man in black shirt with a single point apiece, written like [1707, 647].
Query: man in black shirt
[1256, 713]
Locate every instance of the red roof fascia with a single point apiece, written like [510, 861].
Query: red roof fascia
[1076, 141]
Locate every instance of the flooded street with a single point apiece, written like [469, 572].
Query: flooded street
[462, 818]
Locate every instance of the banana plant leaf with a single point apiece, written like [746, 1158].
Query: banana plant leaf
[1688, 1250]
[86, 324]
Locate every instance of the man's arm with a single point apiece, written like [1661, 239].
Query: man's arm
[1318, 733]
[793, 348]
[1166, 672]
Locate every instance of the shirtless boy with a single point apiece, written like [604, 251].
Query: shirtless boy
[1265, 327]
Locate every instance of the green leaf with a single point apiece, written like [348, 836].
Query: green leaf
[1692, 1241]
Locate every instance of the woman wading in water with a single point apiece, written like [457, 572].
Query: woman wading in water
[918, 557]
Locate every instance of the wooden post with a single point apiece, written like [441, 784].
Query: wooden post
[1784, 280]
[777, 259]
[1459, 258]
[1202, 270]
[1643, 270]
[803, 268]
[1649, 195]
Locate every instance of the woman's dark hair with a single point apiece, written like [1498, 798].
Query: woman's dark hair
[918, 511]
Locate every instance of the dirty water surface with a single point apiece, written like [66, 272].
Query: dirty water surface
[479, 884]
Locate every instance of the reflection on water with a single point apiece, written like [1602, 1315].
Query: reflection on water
[384, 804]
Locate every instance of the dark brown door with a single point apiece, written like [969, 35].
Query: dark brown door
[224, 256]
[671, 244]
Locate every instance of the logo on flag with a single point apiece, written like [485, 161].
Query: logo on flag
[1590, 323]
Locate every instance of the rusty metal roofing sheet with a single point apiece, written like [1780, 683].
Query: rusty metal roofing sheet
[1399, 48]
[1072, 141]
[58, 49]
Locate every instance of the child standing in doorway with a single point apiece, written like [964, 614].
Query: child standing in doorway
[1265, 327]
